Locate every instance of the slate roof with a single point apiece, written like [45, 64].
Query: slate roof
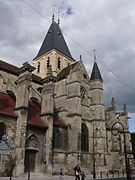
[7, 105]
[34, 115]
[95, 75]
[54, 40]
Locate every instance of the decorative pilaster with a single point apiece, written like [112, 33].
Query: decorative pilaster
[47, 113]
[23, 84]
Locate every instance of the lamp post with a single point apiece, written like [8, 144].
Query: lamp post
[115, 131]
[94, 159]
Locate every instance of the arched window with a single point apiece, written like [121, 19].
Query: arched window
[38, 68]
[2, 130]
[84, 139]
[57, 139]
[48, 62]
[59, 63]
[32, 143]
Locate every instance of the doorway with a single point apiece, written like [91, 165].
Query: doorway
[30, 156]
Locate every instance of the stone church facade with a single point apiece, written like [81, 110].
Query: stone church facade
[52, 115]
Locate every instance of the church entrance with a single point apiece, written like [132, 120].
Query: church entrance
[30, 156]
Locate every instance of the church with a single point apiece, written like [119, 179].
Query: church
[52, 115]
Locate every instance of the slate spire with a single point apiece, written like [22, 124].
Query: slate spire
[95, 75]
[54, 40]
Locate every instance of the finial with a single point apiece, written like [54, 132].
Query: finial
[125, 108]
[94, 51]
[113, 102]
[52, 17]
[58, 16]
[80, 57]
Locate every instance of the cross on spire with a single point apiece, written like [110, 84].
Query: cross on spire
[95, 58]
[52, 17]
[58, 16]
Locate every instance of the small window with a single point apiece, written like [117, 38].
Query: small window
[2, 130]
[48, 62]
[84, 139]
[38, 68]
[57, 139]
[59, 63]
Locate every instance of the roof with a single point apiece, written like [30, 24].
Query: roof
[34, 115]
[95, 75]
[9, 68]
[54, 40]
[65, 72]
[7, 105]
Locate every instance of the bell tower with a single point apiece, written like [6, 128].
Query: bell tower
[53, 52]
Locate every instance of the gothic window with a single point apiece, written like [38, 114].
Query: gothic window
[59, 63]
[38, 68]
[2, 130]
[48, 62]
[57, 139]
[32, 143]
[84, 139]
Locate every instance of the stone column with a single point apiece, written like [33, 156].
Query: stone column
[23, 85]
[73, 119]
[47, 113]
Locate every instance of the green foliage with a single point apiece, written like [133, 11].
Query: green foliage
[133, 143]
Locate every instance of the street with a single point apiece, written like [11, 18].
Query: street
[43, 177]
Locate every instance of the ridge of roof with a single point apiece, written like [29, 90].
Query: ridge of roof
[95, 75]
[54, 40]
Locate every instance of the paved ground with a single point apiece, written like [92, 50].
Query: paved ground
[42, 177]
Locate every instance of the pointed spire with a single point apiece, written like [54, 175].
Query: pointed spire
[125, 108]
[113, 102]
[95, 75]
[80, 57]
[54, 40]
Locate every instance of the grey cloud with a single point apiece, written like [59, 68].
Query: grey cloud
[107, 26]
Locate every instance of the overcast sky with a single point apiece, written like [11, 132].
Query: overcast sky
[105, 25]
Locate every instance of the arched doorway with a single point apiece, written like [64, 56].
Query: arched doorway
[31, 149]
